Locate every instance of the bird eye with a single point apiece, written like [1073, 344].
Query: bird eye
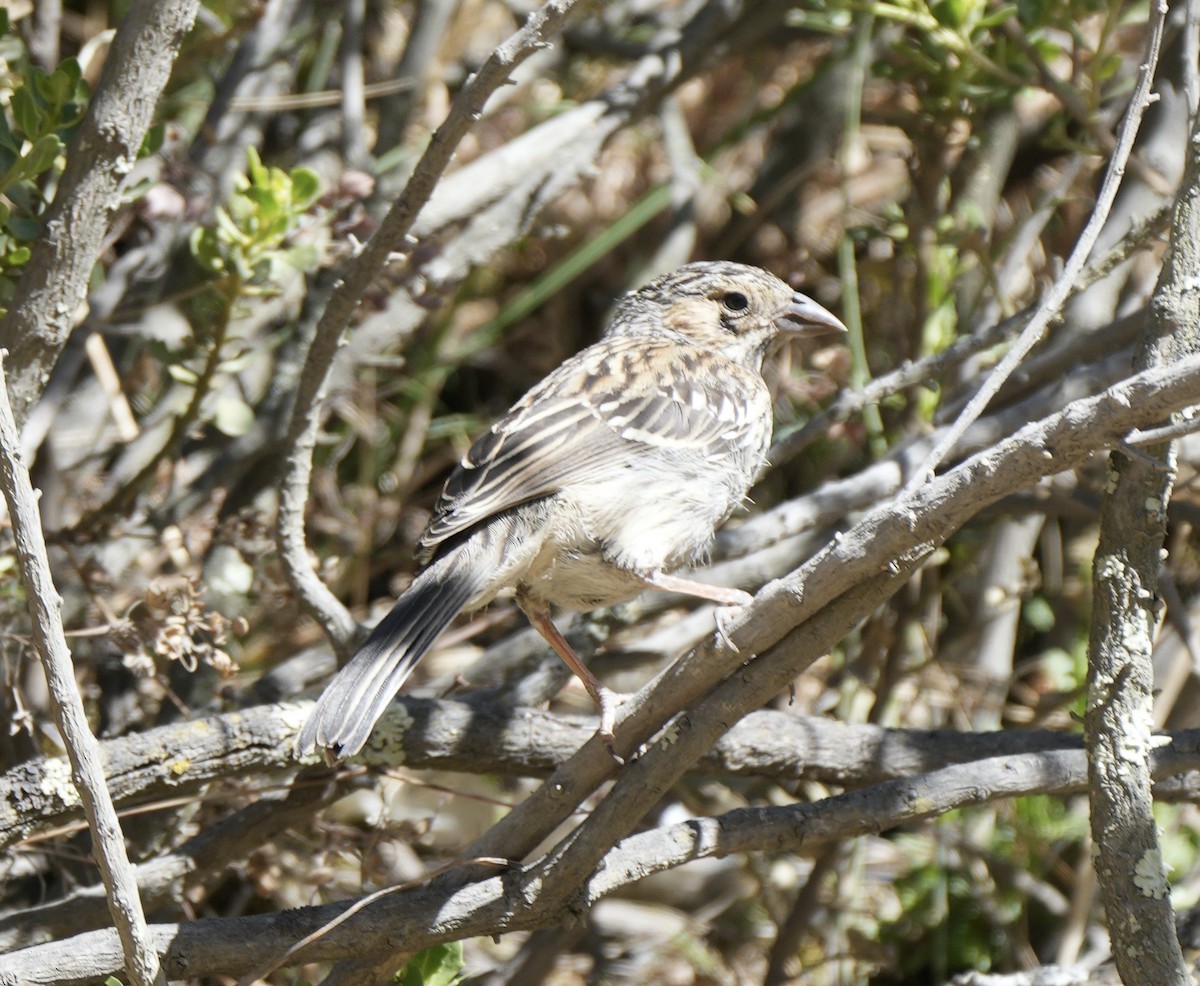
[735, 301]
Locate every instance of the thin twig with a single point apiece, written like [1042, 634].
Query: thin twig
[354, 138]
[290, 102]
[110, 382]
[1052, 303]
[1191, 56]
[1167, 433]
[141, 959]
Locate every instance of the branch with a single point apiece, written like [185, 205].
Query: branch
[478, 738]
[869, 811]
[409, 920]
[101, 154]
[149, 765]
[86, 773]
[1125, 616]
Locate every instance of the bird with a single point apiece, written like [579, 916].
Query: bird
[605, 479]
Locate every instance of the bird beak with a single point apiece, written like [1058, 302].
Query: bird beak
[805, 317]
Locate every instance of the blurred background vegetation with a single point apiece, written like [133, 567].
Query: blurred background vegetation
[920, 167]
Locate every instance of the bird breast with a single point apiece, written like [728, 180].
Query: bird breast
[657, 513]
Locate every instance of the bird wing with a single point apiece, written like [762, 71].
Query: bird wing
[594, 415]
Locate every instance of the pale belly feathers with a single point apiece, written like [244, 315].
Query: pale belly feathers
[581, 564]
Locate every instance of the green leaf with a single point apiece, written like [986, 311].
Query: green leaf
[438, 966]
[273, 229]
[41, 156]
[1031, 12]
[181, 374]
[952, 13]
[267, 199]
[970, 216]
[239, 360]
[261, 273]
[306, 188]
[26, 113]
[8, 166]
[1106, 66]
[58, 87]
[72, 112]
[153, 141]
[1038, 613]
[70, 68]
[254, 167]
[304, 257]
[248, 240]
[998, 17]
[233, 417]
[227, 229]
[24, 228]
[8, 140]
[206, 249]
[48, 86]
[24, 196]
[135, 191]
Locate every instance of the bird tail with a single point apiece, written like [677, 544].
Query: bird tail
[361, 692]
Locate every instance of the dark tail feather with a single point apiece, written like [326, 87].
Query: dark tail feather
[363, 689]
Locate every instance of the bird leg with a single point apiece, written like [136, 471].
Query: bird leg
[701, 590]
[732, 600]
[606, 700]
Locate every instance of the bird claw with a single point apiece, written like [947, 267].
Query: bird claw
[609, 701]
[721, 616]
[610, 744]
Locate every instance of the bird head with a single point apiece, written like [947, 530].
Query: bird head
[733, 309]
